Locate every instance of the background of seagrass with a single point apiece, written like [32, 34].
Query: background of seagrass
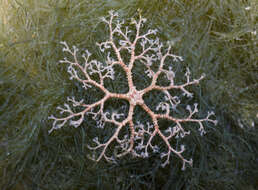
[214, 37]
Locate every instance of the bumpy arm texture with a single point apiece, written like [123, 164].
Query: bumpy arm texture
[139, 140]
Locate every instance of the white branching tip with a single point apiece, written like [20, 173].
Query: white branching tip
[63, 43]
[190, 162]
[113, 13]
[76, 123]
[144, 20]
[66, 47]
[203, 76]
[182, 148]
[51, 117]
[103, 19]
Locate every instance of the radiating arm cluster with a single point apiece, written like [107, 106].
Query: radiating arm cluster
[148, 51]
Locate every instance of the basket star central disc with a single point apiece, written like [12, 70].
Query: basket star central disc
[135, 97]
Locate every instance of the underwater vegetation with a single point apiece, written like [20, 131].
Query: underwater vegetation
[217, 38]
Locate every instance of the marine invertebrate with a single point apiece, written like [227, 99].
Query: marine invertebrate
[153, 55]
